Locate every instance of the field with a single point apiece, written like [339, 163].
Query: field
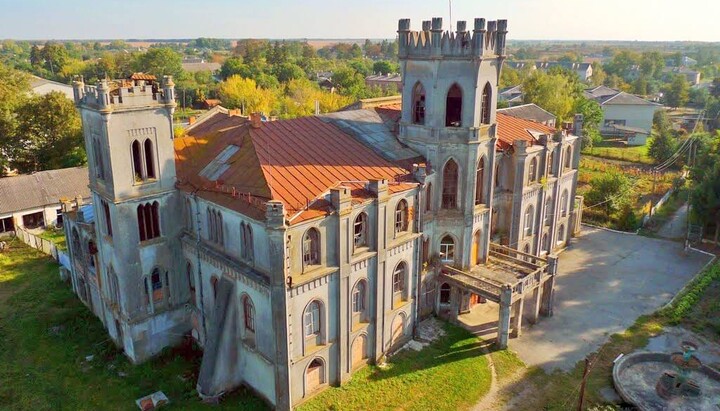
[642, 186]
[614, 149]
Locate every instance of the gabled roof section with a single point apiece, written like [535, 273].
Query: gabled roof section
[623, 98]
[511, 129]
[531, 112]
[294, 161]
[42, 188]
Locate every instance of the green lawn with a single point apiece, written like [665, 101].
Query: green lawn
[450, 374]
[56, 235]
[45, 335]
[615, 150]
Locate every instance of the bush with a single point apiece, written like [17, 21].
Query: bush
[627, 220]
[684, 304]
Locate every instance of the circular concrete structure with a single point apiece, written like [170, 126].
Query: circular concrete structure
[636, 376]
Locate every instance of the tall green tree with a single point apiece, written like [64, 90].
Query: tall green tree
[159, 61]
[705, 200]
[677, 93]
[14, 89]
[662, 146]
[609, 192]
[48, 134]
[552, 92]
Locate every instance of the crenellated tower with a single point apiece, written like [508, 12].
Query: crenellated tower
[449, 98]
[128, 131]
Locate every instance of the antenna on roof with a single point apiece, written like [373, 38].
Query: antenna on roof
[450, 7]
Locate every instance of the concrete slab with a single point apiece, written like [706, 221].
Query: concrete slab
[606, 281]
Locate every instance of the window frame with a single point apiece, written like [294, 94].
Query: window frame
[447, 249]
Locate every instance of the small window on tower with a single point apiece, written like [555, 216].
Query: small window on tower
[418, 115]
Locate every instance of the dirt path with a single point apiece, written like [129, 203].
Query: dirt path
[676, 227]
[490, 399]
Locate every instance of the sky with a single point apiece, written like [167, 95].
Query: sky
[643, 20]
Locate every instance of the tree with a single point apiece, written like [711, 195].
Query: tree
[48, 135]
[678, 93]
[233, 66]
[551, 92]
[592, 116]
[609, 191]
[662, 146]
[159, 61]
[14, 88]
[385, 67]
[243, 93]
[640, 86]
[598, 75]
[705, 200]
[285, 72]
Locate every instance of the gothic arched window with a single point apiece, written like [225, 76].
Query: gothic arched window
[486, 104]
[311, 247]
[418, 107]
[479, 180]
[450, 185]
[453, 107]
[149, 159]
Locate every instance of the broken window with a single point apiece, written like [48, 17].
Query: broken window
[532, 170]
[445, 293]
[401, 217]
[399, 275]
[486, 104]
[479, 179]
[137, 162]
[247, 252]
[157, 285]
[249, 314]
[191, 280]
[108, 221]
[148, 221]
[312, 319]
[447, 249]
[453, 107]
[428, 197]
[418, 115]
[360, 230]
[529, 221]
[450, 185]
[311, 247]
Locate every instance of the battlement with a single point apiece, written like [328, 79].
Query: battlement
[121, 94]
[433, 42]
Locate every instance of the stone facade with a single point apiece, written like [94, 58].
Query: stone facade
[288, 304]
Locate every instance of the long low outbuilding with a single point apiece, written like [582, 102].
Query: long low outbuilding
[33, 200]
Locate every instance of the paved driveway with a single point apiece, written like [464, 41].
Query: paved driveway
[606, 281]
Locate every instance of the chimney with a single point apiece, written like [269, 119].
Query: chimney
[578, 125]
[255, 120]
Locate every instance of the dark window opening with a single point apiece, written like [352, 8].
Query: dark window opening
[149, 159]
[33, 220]
[479, 181]
[428, 197]
[445, 293]
[148, 221]
[7, 224]
[453, 107]
[401, 217]
[418, 104]
[450, 185]
[311, 247]
[137, 162]
[486, 104]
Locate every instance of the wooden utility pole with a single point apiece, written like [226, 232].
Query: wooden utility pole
[582, 384]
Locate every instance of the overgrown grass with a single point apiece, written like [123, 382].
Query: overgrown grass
[506, 364]
[55, 235]
[46, 335]
[616, 150]
[642, 194]
[450, 374]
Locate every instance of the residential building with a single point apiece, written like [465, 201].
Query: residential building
[33, 200]
[513, 96]
[531, 112]
[193, 65]
[391, 81]
[41, 86]
[583, 70]
[297, 251]
[692, 76]
[624, 114]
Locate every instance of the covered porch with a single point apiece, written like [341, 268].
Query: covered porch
[504, 283]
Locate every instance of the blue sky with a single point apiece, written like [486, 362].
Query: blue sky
[527, 19]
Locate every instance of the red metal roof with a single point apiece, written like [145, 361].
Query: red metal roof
[295, 161]
[511, 129]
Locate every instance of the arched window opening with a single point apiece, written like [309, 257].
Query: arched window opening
[418, 115]
[188, 215]
[360, 230]
[91, 251]
[137, 162]
[498, 180]
[190, 280]
[399, 282]
[479, 182]
[551, 160]
[313, 324]
[548, 211]
[314, 376]
[401, 217]
[532, 170]
[544, 243]
[529, 221]
[486, 104]
[219, 222]
[157, 285]
[564, 204]
[248, 321]
[428, 197]
[359, 301]
[247, 251]
[214, 286]
[453, 107]
[148, 221]
[311, 247]
[447, 249]
[149, 159]
[450, 185]
[568, 158]
[561, 234]
[445, 293]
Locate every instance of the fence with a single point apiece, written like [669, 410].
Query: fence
[43, 245]
[657, 206]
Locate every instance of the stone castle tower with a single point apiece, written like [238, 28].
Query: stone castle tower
[450, 87]
[128, 135]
